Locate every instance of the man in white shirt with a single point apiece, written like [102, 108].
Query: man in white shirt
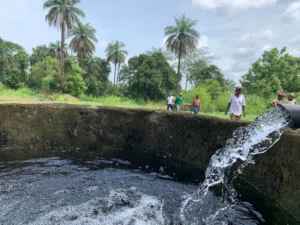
[236, 104]
[170, 102]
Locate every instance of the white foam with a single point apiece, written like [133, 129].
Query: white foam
[115, 209]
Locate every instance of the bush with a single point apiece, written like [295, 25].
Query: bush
[256, 105]
[222, 101]
[75, 83]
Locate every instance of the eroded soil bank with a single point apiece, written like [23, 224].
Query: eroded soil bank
[171, 136]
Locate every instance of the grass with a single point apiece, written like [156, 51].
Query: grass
[222, 115]
[28, 96]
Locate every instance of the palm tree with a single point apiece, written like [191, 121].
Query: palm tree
[182, 39]
[63, 14]
[116, 55]
[229, 84]
[55, 51]
[82, 42]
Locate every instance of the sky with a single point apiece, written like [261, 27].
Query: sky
[237, 31]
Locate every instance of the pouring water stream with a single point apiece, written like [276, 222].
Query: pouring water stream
[256, 138]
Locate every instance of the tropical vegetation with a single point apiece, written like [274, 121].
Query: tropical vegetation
[70, 66]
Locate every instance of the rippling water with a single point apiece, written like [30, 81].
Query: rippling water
[57, 190]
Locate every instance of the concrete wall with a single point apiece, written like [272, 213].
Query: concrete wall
[176, 136]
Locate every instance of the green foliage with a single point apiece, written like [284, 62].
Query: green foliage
[256, 104]
[190, 61]
[47, 68]
[229, 85]
[200, 72]
[39, 54]
[13, 64]
[83, 36]
[222, 101]
[275, 70]
[50, 83]
[96, 77]
[14, 78]
[148, 76]
[75, 83]
[2, 86]
[213, 85]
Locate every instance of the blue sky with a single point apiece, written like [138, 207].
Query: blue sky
[238, 31]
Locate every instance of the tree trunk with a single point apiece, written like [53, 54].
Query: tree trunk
[62, 57]
[178, 71]
[118, 74]
[115, 76]
[187, 79]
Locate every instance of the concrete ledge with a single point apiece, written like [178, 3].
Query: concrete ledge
[176, 136]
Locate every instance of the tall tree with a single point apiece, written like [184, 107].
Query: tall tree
[148, 76]
[229, 84]
[39, 53]
[117, 55]
[55, 51]
[63, 14]
[274, 71]
[14, 62]
[201, 72]
[189, 61]
[182, 39]
[96, 77]
[83, 37]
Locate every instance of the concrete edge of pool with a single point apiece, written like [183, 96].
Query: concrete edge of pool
[177, 136]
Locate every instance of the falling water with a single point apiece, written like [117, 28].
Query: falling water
[203, 207]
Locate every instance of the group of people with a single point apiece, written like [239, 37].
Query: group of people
[236, 105]
[196, 104]
[178, 102]
[291, 99]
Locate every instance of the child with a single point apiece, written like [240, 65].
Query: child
[196, 104]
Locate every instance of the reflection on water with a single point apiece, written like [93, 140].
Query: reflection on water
[72, 190]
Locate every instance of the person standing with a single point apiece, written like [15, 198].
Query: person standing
[178, 101]
[236, 104]
[291, 100]
[277, 101]
[196, 104]
[170, 102]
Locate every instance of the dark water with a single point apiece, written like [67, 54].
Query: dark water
[76, 189]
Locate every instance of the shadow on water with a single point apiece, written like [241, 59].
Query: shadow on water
[252, 206]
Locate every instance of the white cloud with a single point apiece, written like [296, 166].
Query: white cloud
[258, 35]
[102, 44]
[243, 51]
[292, 13]
[163, 42]
[203, 41]
[294, 40]
[295, 52]
[230, 7]
[266, 47]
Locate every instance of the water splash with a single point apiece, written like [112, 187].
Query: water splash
[256, 138]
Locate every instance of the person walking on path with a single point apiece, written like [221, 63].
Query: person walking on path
[196, 104]
[236, 104]
[170, 102]
[178, 101]
[291, 100]
[277, 101]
